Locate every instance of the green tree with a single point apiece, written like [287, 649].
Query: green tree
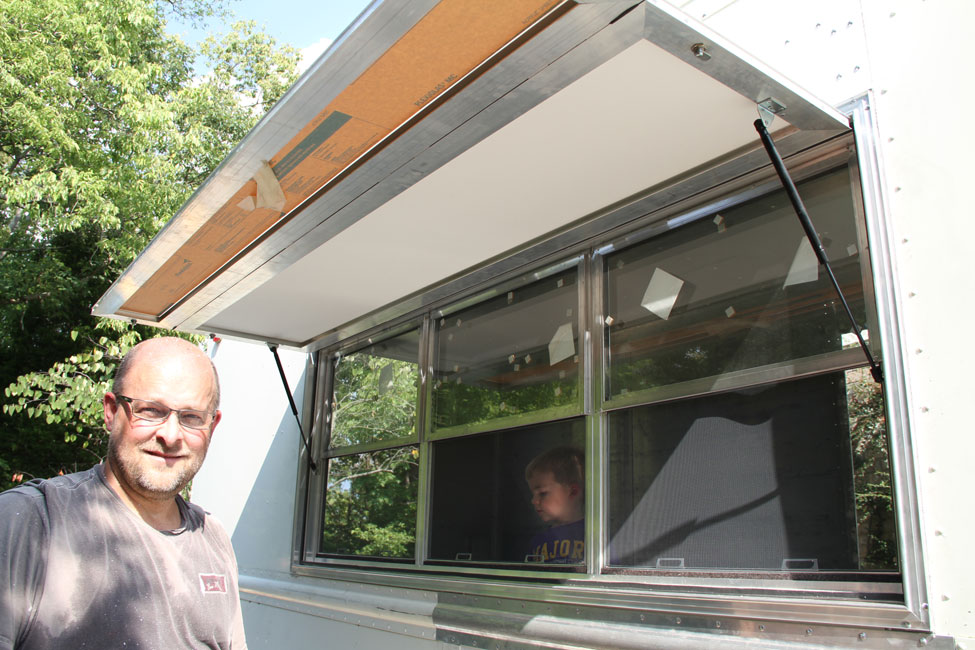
[104, 133]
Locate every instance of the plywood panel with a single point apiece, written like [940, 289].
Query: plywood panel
[437, 53]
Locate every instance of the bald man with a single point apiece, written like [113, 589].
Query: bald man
[114, 557]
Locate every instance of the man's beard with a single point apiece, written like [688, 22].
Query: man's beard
[135, 470]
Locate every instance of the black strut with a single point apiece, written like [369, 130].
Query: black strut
[294, 409]
[817, 246]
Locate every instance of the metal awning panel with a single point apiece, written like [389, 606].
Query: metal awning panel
[563, 109]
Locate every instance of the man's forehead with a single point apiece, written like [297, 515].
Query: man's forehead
[162, 375]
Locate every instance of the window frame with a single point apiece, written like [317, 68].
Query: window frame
[617, 226]
[315, 482]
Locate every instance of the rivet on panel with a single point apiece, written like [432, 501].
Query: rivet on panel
[808, 631]
[862, 636]
[924, 409]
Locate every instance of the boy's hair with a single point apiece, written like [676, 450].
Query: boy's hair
[567, 465]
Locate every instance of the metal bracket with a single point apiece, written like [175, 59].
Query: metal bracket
[768, 109]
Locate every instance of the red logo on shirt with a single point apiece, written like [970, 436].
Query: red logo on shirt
[211, 583]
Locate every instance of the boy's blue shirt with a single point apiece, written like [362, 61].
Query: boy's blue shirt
[564, 544]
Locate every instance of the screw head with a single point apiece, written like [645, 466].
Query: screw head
[700, 51]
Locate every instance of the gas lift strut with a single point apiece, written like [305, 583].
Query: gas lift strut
[817, 246]
[294, 409]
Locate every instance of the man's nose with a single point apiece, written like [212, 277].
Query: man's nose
[169, 429]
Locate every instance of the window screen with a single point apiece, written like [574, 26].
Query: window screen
[482, 506]
[762, 479]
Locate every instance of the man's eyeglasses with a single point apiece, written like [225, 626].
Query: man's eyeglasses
[155, 412]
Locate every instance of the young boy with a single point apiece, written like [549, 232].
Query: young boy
[556, 480]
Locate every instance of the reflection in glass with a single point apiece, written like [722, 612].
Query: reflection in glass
[375, 392]
[370, 504]
[483, 509]
[876, 532]
[515, 353]
[776, 477]
[735, 290]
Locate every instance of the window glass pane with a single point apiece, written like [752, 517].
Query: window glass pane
[484, 508]
[374, 392]
[735, 290]
[370, 504]
[515, 353]
[761, 478]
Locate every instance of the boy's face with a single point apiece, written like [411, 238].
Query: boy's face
[556, 503]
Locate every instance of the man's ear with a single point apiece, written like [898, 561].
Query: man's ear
[216, 421]
[575, 490]
[110, 406]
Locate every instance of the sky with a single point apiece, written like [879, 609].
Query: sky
[309, 25]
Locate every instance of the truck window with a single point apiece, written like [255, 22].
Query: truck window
[701, 364]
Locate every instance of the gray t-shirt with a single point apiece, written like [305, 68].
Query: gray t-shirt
[79, 569]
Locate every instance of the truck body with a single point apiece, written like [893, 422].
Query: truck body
[474, 232]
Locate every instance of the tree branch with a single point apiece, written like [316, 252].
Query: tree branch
[30, 298]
